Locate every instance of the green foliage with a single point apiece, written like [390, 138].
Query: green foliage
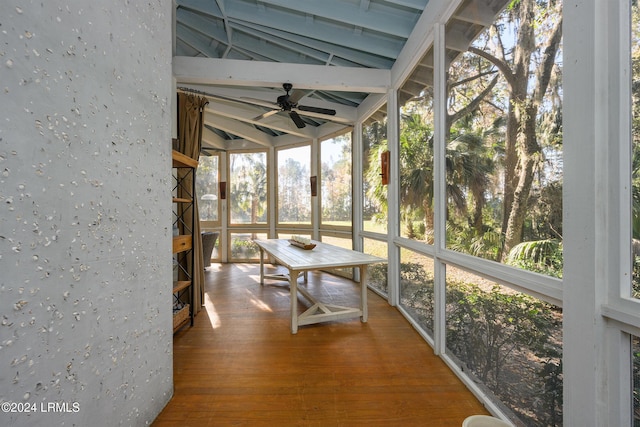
[635, 292]
[416, 230]
[244, 249]
[463, 238]
[336, 177]
[294, 197]
[377, 274]
[374, 140]
[492, 330]
[505, 339]
[635, 157]
[416, 293]
[248, 187]
[636, 381]
[542, 256]
[550, 395]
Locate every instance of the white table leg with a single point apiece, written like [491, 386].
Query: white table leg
[261, 266]
[363, 293]
[293, 294]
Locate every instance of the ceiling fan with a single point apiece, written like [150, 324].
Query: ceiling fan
[289, 103]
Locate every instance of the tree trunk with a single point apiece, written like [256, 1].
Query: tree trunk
[518, 94]
[525, 109]
[529, 156]
[479, 202]
[428, 221]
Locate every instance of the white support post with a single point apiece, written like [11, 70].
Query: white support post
[357, 186]
[224, 203]
[440, 196]
[591, 207]
[272, 207]
[316, 167]
[393, 202]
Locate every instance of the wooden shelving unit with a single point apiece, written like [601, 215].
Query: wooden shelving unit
[183, 252]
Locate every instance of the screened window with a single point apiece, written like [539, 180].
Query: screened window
[377, 273]
[248, 188]
[342, 240]
[417, 288]
[635, 208]
[336, 177]
[504, 141]
[416, 154]
[635, 138]
[242, 246]
[207, 186]
[509, 343]
[374, 143]
[294, 194]
[635, 366]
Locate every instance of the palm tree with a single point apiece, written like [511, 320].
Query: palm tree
[249, 185]
[416, 168]
[470, 161]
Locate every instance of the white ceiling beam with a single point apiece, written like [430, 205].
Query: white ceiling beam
[414, 4]
[330, 128]
[288, 140]
[214, 71]
[320, 132]
[237, 128]
[188, 37]
[211, 139]
[370, 105]
[375, 43]
[457, 40]
[396, 24]
[476, 12]
[421, 38]
[278, 49]
[313, 47]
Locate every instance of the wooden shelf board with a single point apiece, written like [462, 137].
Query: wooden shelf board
[181, 200]
[183, 161]
[181, 324]
[182, 243]
[180, 285]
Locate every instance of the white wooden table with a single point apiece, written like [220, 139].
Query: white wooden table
[323, 256]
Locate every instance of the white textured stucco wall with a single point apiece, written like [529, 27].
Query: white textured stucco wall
[85, 212]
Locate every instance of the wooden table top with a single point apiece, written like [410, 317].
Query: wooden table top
[322, 256]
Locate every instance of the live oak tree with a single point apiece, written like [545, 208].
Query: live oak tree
[530, 72]
[504, 103]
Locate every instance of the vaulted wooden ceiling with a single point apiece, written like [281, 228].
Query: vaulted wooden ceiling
[335, 53]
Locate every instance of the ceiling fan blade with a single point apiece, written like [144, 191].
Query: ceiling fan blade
[296, 119]
[265, 115]
[297, 95]
[317, 110]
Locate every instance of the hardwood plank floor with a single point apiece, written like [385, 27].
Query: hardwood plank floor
[239, 365]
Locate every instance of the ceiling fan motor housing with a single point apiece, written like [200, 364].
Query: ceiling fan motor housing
[283, 101]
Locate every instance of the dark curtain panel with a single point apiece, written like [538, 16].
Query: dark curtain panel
[190, 125]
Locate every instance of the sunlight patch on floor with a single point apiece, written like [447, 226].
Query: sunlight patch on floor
[211, 311]
[259, 303]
